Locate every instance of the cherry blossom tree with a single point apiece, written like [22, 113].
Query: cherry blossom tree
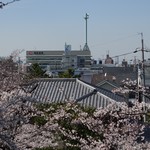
[28, 125]
[71, 126]
[12, 103]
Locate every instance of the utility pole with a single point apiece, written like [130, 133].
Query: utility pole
[143, 75]
[143, 66]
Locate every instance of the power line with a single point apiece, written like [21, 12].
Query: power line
[122, 54]
[116, 40]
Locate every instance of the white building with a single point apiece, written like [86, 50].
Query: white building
[59, 59]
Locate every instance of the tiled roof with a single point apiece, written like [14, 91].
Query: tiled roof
[111, 83]
[62, 89]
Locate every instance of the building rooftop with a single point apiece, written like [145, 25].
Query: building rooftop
[119, 73]
[57, 52]
[64, 89]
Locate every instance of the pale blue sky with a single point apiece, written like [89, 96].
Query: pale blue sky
[113, 25]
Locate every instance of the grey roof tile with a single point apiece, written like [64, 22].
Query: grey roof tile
[60, 89]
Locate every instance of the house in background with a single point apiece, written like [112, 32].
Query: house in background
[108, 85]
[110, 77]
[114, 75]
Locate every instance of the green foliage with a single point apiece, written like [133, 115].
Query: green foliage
[71, 72]
[148, 117]
[73, 148]
[36, 71]
[38, 120]
[51, 107]
[67, 74]
[63, 148]
[81, 130]
[45, 148]
[89, 110]
[66, 122]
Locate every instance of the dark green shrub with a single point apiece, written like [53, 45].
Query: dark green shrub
[38, 120]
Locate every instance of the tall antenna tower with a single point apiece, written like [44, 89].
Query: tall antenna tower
[86, 45]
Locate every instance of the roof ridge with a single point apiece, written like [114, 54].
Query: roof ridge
[55, 79]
